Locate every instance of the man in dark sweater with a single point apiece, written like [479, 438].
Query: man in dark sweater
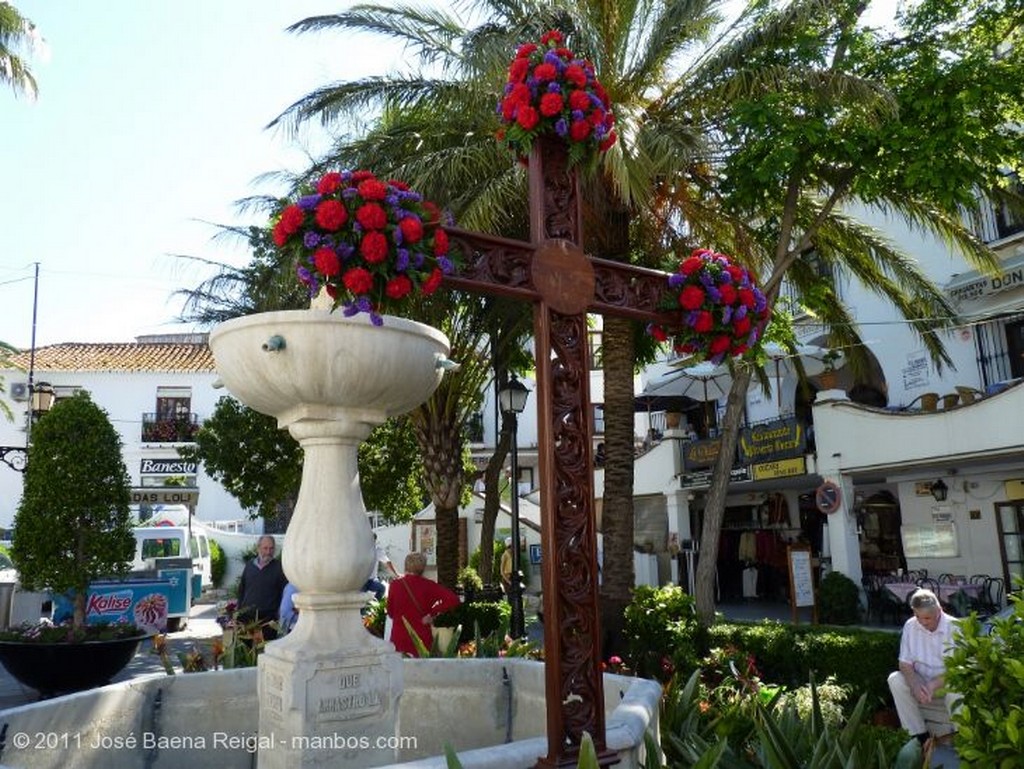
[261, 587]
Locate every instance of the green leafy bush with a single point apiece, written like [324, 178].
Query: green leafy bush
[838, 600]
[218, 563]
[661, 631]
[480, 618]
[989, 671]
[791, 654]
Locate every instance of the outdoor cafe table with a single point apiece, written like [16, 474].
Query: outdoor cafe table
[947, 590]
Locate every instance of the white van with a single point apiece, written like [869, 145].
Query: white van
[153, 542]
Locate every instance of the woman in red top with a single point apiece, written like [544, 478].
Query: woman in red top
[417, 599]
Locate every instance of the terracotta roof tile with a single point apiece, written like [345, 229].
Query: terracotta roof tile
[120, 356]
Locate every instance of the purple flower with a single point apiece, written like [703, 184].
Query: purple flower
[345, 250]
[740, 312]
[402, 260]
[714, 294]
[676, 280]
[561, 127]
[396, 235]
[376, 319]
[311, 239]
[445, 264]
[350, 309]
[577, 114]
[554, 87]
[349, 192]
[727, 313]
[308, 202]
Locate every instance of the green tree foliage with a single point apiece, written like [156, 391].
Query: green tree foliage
[74, 523]
[261, 465]
[815, 119]
[16, 34]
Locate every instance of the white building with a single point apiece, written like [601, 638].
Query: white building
[157, 391]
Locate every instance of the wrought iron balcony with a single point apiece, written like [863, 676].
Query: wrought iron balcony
[179, 429]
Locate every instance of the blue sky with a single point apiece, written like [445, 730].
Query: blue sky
[149, 122]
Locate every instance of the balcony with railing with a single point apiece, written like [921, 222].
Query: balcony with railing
[177, 429]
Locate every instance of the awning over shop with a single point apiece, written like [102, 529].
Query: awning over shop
[978, 295]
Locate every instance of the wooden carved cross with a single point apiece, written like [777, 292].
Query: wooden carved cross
[563, 284]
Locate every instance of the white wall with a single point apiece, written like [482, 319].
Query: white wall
[125, 397]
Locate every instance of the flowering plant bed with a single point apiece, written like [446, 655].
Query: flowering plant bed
[552, 91]
[46, 632]
[723, 312]
[372, 244]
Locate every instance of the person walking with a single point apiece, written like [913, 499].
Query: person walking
[418, 600]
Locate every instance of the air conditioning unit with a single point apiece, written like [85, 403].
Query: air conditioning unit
[19, 391]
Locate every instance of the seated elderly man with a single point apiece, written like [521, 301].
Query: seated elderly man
[926, 641]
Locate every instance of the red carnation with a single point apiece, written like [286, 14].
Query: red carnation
[327, 262]
[279, 235]
[518, 70]
[398, 184]
[525, 50]
[332, 290]
[373, 189]
[331, 215]
[508, 109]
[358, 176]
[737, 349]
[728, 292]
[398, 286]
[609, 140]
[601, 94]
[579, 130]
[374, 247]
[551, 104]
[527, 117]
[545, 71]
[574, 74]
[659, 334]
[579, 100]
[690, 265]
[371, 216]
[329, 183]
[440, 243]
[704, 322]
[412, 229]
[735, 272]
[291, 219]
[741, 326]
[691, 297]
[358, 280]
[520, 94]
[719, 345]
[596, 117]
[431, 284]
[747, 297]
[551, 36]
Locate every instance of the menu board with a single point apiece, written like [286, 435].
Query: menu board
[801, 580]
[936, 540]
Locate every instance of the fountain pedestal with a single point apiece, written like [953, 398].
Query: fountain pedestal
[329, 691]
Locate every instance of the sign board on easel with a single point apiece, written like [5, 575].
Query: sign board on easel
[801, 581]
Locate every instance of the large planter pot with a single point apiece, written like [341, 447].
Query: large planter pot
[56, 668]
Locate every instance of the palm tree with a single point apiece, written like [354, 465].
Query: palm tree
[437, 130]
[16, 33]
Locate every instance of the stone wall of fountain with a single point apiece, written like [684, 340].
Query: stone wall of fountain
[490, 710]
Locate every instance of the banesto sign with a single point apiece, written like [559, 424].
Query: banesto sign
[167, 467]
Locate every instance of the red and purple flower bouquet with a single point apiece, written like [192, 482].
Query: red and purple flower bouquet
[723, 312]
[371, 243]
[552, 91]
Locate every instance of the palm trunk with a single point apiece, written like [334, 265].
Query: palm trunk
[617, 511]
[441, 443]
[714, 511]
[492, 501]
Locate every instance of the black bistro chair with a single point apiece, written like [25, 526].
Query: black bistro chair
[993, 594]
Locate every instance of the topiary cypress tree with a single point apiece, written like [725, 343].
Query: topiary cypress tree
[73, 524]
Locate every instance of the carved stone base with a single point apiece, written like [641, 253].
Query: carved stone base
[329, 698]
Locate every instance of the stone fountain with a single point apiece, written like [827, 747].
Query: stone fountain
[329, 380]
[329, 693]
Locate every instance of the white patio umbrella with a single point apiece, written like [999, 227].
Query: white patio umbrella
[701, 381]
[812, 357]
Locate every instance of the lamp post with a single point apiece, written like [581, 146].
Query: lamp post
[512, 400]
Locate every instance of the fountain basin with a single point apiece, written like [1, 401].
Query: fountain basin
[492, 711]
[296, 363]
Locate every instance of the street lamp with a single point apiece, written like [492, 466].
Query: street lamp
[512, 400]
